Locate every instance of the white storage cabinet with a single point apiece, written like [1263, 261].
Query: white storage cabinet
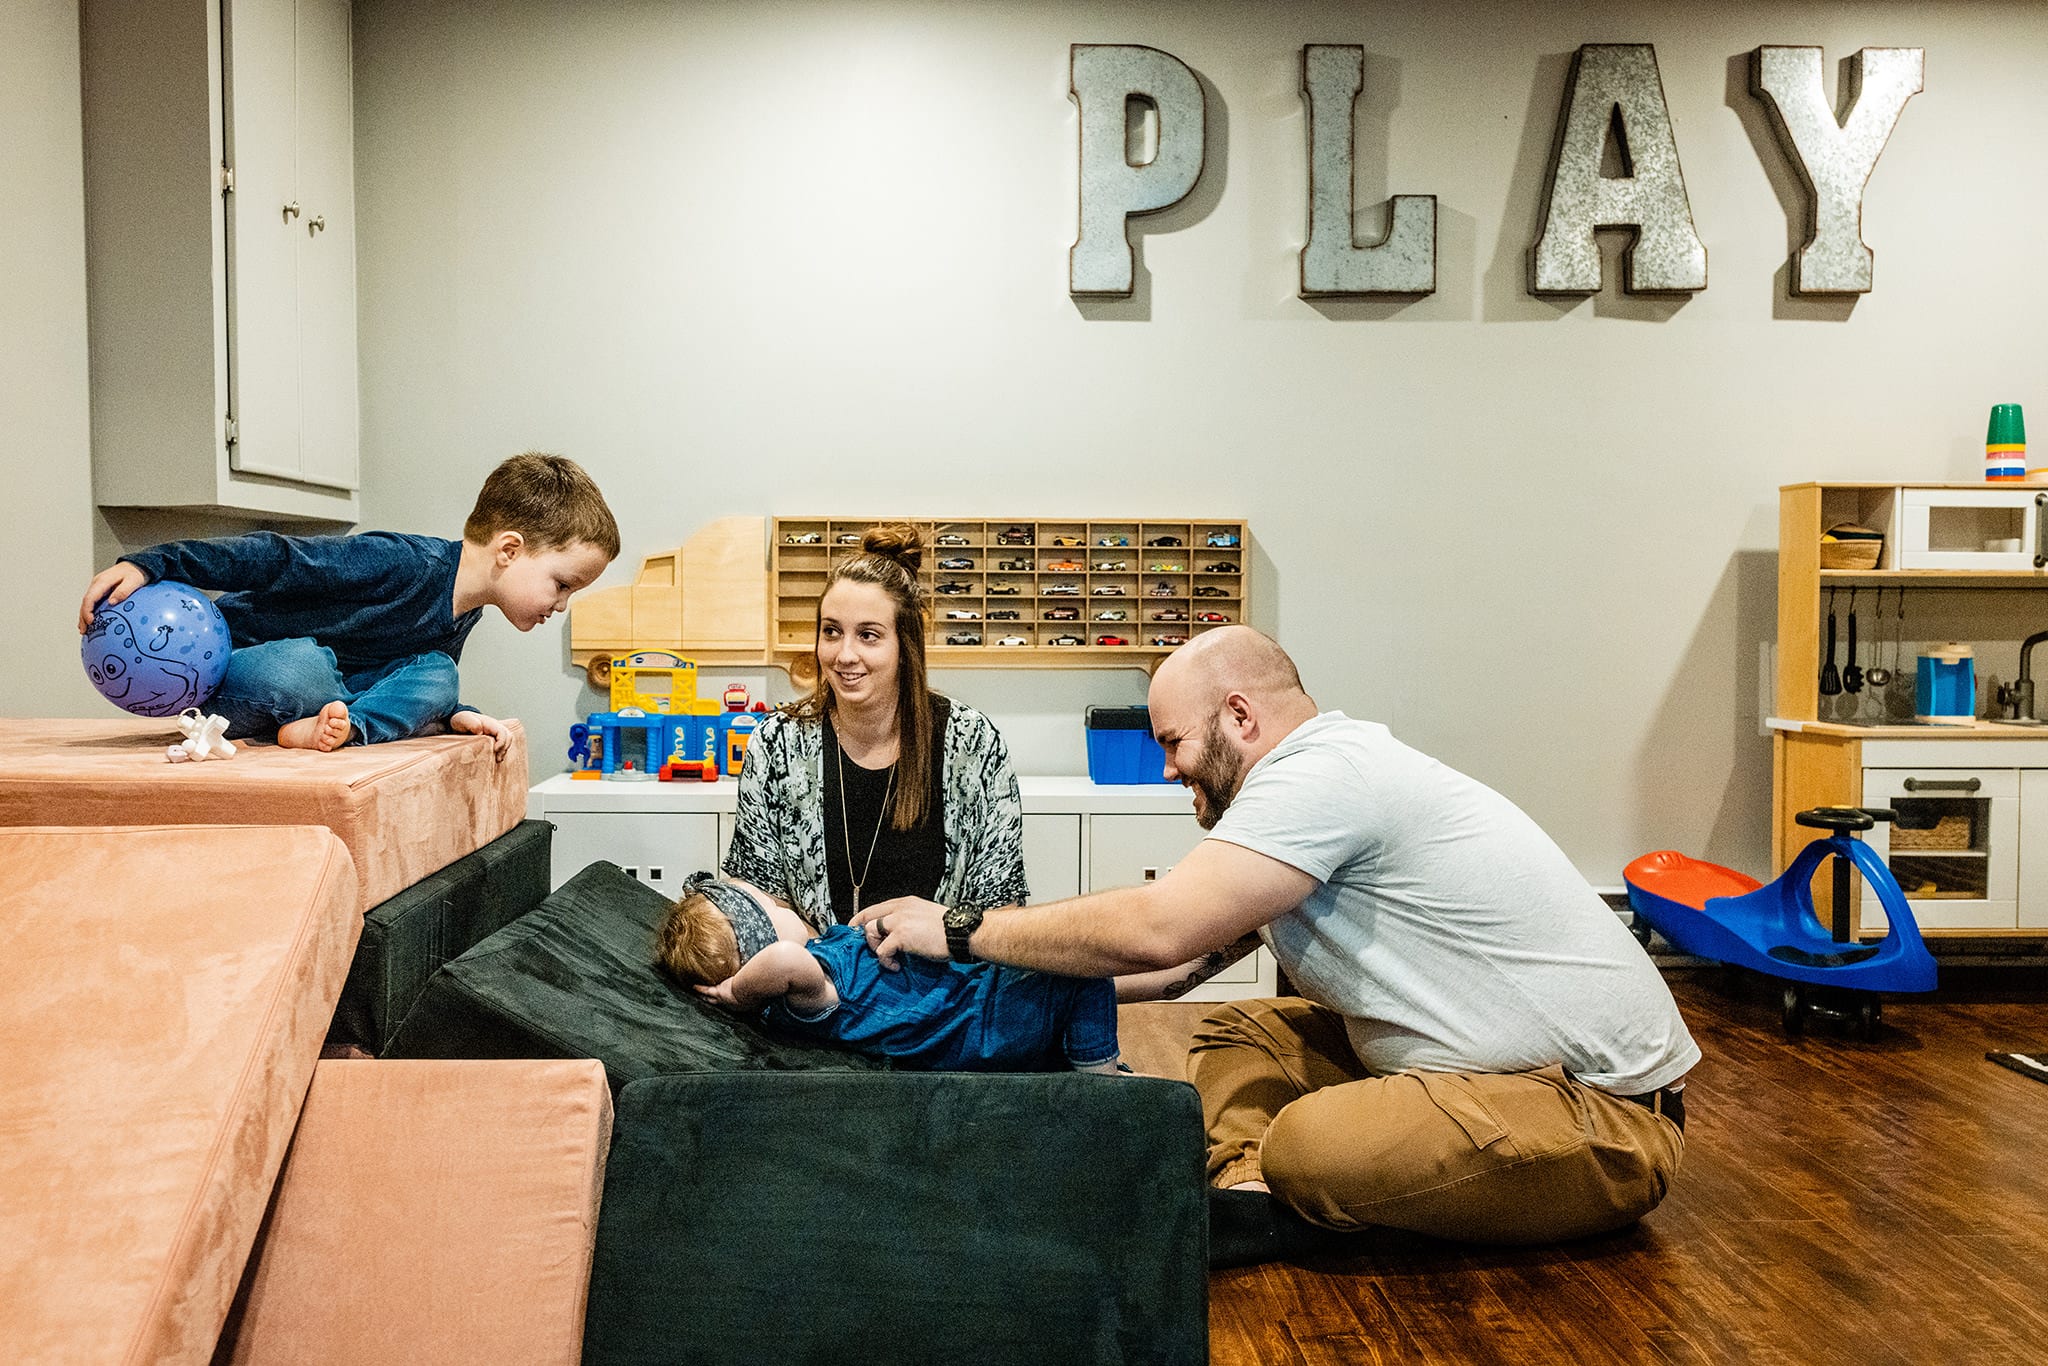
[220, 255]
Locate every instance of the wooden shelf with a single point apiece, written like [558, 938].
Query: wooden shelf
[1004, 565]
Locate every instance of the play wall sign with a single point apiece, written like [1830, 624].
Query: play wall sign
[1614, 92]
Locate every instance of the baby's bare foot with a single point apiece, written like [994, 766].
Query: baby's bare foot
[327, 731]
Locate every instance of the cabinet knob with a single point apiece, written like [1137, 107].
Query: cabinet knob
[316, 223]
[291, 211]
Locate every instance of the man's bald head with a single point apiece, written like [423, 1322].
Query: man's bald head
[1233, 659]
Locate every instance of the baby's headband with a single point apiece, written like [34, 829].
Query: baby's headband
[750, 924]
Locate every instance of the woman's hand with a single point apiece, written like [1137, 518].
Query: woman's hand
[905, 924]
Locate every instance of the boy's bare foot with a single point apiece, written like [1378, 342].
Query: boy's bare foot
[327, 731]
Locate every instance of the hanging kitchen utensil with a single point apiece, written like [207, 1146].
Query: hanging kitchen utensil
[1879, 676]
[1830, 677]
[1852, 677]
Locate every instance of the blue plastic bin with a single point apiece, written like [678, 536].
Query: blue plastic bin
[1121, 748]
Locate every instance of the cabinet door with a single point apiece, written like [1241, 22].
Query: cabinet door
[266, 220]
[1052, 856]
[660, 848]
[2033, 910]
[1955, 850]
[1124, 851]
[326, 247]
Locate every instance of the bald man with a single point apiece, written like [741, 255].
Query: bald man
[1480, 1050]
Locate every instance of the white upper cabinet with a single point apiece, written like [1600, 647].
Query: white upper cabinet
[220, 207]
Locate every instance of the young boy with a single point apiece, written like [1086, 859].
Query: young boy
[342, 640]
[747, 955]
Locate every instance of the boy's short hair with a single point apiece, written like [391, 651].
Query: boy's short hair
[548, 499]
[697, 944]
[712, 930]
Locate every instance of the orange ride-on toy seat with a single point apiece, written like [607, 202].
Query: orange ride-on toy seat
[1715, 912]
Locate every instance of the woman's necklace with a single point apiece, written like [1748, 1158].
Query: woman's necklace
[845, 833]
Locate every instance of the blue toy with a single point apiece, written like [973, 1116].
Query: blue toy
[161, 649]
[1715, 912]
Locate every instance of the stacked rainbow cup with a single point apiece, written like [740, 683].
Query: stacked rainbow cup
[2005, 445]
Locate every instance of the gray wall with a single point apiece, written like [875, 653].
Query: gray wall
[790, 259]
[775, 258]
[45, 458]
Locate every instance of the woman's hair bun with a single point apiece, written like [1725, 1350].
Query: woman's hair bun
[898, 541]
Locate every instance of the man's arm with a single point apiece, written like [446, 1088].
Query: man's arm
[1175, 983]
[1212, 898]
[781, 972]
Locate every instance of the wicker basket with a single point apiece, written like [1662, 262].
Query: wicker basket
[1859, 548]
[1950, 832]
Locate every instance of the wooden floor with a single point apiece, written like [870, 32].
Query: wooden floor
[1841, 1202]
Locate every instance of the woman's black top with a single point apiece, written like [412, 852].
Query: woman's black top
[906, 862]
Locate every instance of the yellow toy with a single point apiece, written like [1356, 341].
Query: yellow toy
[658, 683]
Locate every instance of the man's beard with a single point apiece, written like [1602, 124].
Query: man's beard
[1216, 776]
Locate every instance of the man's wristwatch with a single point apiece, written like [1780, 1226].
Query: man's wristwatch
[961, 923]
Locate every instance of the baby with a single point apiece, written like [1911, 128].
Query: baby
[749, 955]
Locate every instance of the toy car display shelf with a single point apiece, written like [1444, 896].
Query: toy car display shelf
[1010, 592]
[1006, 592]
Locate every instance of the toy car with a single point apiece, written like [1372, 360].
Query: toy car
[1061, 614]
[962, 614]
[1220, 567]
[1109, 590]
[956, 562]
[848, 538]
[1066, 640]
[1169, 640]
[1210, 616]
[951, 538]
[1002, 590]
[1015, 535]
[1168, 614]
[1004, 614]
[1013, 564]
[964, 638]
[1209, 590]
[1114, 540]
[1062, 566]
[1068, 540]
[1164, 541]
[1165, 567]
[1111, 566]
[952, 586]
[1112, 614]
[1223, 539]
[1013, 640]
[1111, 640]
[803, 538]
[1161, 590]
[1060, 590]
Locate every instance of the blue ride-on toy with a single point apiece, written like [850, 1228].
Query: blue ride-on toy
[1718, 913]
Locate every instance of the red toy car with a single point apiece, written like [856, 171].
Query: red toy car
[1210, 616]
[1111, 640]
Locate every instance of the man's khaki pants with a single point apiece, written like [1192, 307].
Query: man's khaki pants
[1524, 1157]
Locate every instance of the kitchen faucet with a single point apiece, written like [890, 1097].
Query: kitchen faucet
[2018, 697]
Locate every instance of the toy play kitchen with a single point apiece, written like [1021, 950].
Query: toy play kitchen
[1907, 620]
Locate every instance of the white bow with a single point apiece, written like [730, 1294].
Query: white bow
[205, 738]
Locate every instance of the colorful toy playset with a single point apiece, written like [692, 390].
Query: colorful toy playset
[659, 729]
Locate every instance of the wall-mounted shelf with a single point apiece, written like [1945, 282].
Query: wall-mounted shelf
[744, 590]
[1024, 593]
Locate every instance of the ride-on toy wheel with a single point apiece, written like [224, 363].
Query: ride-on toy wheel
[1793, 1012]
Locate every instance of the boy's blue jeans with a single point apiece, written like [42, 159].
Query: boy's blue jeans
[282, 680]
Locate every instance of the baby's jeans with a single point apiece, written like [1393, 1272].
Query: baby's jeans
[278, 681]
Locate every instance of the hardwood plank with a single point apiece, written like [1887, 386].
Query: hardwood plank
[1842, 1203]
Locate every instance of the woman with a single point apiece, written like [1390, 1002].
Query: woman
[874, 786]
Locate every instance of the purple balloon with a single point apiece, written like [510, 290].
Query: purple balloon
[162, 649]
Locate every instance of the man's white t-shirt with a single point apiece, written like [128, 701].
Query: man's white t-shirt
[1448, 929]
